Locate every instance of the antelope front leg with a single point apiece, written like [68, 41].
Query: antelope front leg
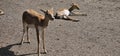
[22, 37]
[24, 29]
[38, 40]
[28, 40]
[43, 39]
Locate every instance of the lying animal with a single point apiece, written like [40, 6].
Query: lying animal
[64, 13]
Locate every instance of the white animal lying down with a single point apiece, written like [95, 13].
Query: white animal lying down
[64, 13]
[1, 12]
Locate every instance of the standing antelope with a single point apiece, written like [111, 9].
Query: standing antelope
[31, 17]
[64, 13]
[1, 12]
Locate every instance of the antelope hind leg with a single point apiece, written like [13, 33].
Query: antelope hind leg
[70, 19]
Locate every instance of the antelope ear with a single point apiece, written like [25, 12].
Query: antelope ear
[43, 10]
[72, 4]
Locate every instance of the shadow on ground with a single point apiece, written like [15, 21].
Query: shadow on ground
[26, 54]
[5, 51]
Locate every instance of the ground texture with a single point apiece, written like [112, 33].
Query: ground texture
[97, 34]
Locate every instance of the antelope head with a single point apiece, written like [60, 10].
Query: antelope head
[49, 13]
[75, 6]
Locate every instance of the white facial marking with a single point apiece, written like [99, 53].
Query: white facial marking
[53, 16]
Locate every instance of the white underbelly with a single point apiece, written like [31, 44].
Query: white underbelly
[64, 12]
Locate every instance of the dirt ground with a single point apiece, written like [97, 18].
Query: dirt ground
[97, 34]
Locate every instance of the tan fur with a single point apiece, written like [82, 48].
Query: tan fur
[31, 17]
[73, 6]
[62, 9]
[34, 13]
[65, 13]
[50, 11]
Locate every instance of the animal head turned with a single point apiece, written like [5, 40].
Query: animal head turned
[1, 12]
[75, 6]
[49, 13]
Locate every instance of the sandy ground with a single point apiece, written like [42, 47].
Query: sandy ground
[97, 34]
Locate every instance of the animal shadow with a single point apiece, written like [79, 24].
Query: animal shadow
[5, 51]
[26, 54]
[77, 14]
[73, 20]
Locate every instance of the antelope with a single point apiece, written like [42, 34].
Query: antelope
[1, 12]
[65, 13]
[39, 22]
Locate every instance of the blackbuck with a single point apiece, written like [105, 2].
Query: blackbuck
[39, 22]
[1, 12]
[65, 13]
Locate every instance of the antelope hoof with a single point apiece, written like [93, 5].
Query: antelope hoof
[45, 52]
[75, 20]
[20, 43]
[28, 42]
[39, 54]
[84, 14]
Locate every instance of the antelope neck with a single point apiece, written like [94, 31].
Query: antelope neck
[71, 9]
[44, 22]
